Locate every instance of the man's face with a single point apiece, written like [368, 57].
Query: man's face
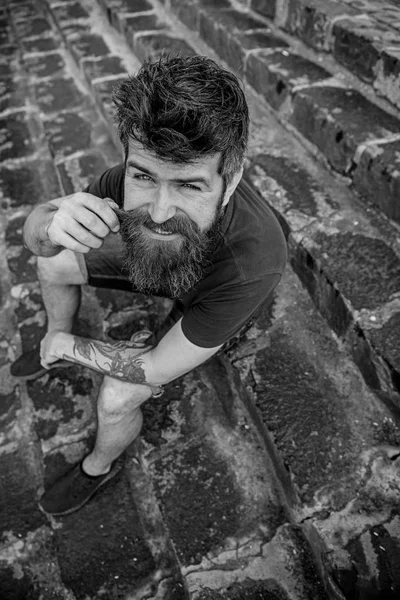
[165, 189]
[171, 222]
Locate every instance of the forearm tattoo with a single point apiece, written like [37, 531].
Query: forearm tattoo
[113, 359]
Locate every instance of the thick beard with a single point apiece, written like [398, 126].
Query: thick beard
[171, 268]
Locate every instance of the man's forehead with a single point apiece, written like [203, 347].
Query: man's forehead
[138, 154]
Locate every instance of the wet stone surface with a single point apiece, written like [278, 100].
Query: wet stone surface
[248, 590]
[153, 45]
[29, 183]
[87, 44]
[19, 482]
[276, 74]
[181, 478]
[337, 120]
[315, 449]
[101, 548]
[370, 277]
[44, 65]
[31, 28]
[68, 133]
[55, 94]
[69, 12]
[109, 65]
[135, 24]
[78, 172]
[15, 139]
[293, 186]
[22, 265]
[61, 398]
[386, 340]
[45, 44]
[377, 177]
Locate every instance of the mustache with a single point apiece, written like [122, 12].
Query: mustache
[138, 217]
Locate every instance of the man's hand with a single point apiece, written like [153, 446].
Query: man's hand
[48, 348]
[82, 221]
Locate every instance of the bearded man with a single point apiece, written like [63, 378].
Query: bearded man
[174, 220]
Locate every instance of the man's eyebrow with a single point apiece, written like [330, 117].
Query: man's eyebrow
[191, 179]
[135, 165]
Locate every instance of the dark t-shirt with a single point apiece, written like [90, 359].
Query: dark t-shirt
[245, 267]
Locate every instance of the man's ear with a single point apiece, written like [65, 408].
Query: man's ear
[232, 185]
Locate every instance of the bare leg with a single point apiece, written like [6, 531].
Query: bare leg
[119, 422]
[60, 281]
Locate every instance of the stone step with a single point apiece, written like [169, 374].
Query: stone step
[122, 543]
[324, 222]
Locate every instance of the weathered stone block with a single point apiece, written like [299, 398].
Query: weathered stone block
[358, 45]
[225, 31]
[377, 177]
[103, 91]
[30, 183]
[109, 65]
[69, 12]
[6, 32]
[275, 75]
[84, 45]
[188, 12]
[337, 120]
[266, 8]
[44, 65]
[15, 137]
[386, 341]
[141, 23]
[372, 275]
[22, 265]
[67, 133]
[77, 173]
[19, 478]
[387, 74]
[291, 190]
[45, 44]
[325, 295]
[154, 45]
[62, 402]
[12, 93]
[235, 50]
[54, 95]
[311, 20]
[32, 28]
[102, 548]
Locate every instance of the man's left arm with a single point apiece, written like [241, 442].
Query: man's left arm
[174, 356]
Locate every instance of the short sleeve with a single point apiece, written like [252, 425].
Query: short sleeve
[109, 185]
[221, 316]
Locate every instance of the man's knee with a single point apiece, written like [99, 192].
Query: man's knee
[117, 398]
[65, 268]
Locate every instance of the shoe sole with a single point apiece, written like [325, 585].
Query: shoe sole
[62, 364]
[110, 476]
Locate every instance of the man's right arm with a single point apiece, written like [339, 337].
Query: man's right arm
[35, 229]
[77, 222]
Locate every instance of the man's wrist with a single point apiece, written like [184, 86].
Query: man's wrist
[61, 343]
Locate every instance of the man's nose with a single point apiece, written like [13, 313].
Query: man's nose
[161, 208]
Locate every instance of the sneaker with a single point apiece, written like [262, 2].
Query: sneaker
[27, 367]
[74, 489]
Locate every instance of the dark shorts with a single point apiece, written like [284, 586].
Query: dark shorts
[104, 268]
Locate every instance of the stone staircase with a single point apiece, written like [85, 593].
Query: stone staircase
[272, 471]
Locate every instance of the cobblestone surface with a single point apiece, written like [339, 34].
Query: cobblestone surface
[271, 471]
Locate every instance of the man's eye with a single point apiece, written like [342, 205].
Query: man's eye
[142, 177]
[190, 186]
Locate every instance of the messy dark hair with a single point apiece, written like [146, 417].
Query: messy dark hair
[182, 109]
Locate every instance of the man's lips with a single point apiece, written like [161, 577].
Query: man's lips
[159, 233]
